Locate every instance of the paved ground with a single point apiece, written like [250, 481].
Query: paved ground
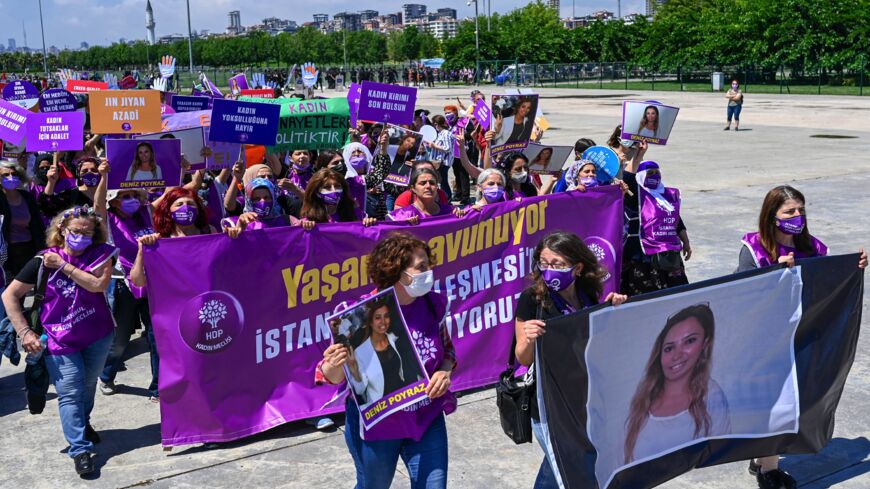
[723, 175]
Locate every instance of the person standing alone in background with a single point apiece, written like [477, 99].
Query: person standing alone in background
[735, 104]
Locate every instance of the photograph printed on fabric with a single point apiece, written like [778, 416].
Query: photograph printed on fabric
[648, 121]
[383, 365]
[670, 372]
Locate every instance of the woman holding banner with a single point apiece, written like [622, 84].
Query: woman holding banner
[127, 215]
[491, 184]
[424, 187]
[261, 209]
[782, 237]
[419, 436]
[242, 178]
[78, 263]
[566, 278]
[328, 200]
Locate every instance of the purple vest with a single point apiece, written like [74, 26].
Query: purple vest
[125, 232]
[407, 212]
[658, 227]
[73, 317]
[357, 186]
[423, 317]
[300, 179]
[759, 254]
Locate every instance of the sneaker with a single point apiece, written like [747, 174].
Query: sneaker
[35, 403]
[84, 463]
[775, 479]
[153, 398]
[728, 128]
[321, 423]
[91, 434]
[107, 388]
[754, 468]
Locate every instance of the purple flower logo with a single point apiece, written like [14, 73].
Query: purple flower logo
[605, 253]
[126, 126]
[211, 322]
[243, 137]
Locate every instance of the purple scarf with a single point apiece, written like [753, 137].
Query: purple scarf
[125, 231]
[759, 254]
[73, 317]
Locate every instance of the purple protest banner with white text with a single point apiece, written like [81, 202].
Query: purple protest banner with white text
[57, 131]
[13, 120]
[241, 323]
[244, 122]
[223, 155]
[482, 114]
[353, 95]
[57, 100]
[380, 102]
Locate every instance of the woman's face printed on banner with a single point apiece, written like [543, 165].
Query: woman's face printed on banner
[145, 154]
[682, 348]
[523, 109]
[651, 115]
[381, 320]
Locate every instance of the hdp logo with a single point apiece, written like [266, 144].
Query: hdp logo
[126, 126]
[211, 321]
[605, 253]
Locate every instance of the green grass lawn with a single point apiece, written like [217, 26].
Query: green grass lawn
[672, 86]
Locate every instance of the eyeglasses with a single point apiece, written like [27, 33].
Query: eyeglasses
[81, 232]
[556, 265]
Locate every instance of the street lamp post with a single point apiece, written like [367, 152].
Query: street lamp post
[476, 40]
[44, 54]
[189, 38]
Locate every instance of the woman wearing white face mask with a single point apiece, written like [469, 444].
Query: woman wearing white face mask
[567, 278]
[404, 262]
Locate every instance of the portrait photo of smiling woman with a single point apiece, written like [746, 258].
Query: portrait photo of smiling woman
[677, 400]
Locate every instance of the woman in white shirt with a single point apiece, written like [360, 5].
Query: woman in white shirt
[677, 401]
[649, 124]
[144, 167]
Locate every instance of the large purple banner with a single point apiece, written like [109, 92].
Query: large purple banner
[241, 323]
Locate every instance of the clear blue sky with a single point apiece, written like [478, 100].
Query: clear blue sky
[69, 22]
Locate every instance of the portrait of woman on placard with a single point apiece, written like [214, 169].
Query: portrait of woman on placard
[515, 128]
[677, 401]
[144, 167]
[649, 123]
[541, 161]
[384, 362]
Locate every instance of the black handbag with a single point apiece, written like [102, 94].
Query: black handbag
[667, 261]
[514, 397]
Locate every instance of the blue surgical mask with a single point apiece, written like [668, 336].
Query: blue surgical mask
[130, 206]
[11, 182]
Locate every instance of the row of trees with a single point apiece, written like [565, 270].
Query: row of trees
[833, 34]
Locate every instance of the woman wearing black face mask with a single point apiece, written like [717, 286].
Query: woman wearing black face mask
[40, 180]
[56, 198]
[23, 229]
[567, 278]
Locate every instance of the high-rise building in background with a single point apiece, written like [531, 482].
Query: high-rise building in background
[652, 6]
[347, 21]
[235, 22]
[321, 19]
[149, 24]
[12, 45]
[446, 13]
[553, 4]
[412, 11]
[367, 15]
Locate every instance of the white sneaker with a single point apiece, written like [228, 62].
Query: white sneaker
[321, 423]
[107, 389]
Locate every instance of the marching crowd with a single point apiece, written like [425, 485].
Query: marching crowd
[77, 246]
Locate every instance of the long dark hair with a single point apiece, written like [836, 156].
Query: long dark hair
[570, 247]
[767, 221]
[652, 384]
[505, 165]
[313, 207]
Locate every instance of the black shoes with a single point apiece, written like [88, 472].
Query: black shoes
[84, 463]
[754, 468]
[91, 434]
[775, 479]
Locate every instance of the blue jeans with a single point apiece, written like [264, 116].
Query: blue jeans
[545, 479]
[391, 203]
[375, 461]
[734, 111]
[75, 379]
[129, 312]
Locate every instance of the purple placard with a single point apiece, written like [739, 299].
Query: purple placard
[244, 122]
[648, 121]
[398, 180]
[126, 163]
[58, 131]
[21, 93]
[13, 120]
[57, 100]
[182, 103]
[380, 102]
[482, 114]
[238, 83]
[353, 95]
[350, 327]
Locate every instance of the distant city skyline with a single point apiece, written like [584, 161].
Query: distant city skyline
[69, 23]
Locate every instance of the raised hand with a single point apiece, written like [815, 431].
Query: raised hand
[258, 80]
[159, 84]
[167, 67]
[111, 80]
[310, 75]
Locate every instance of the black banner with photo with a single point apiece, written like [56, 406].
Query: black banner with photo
[742, 366]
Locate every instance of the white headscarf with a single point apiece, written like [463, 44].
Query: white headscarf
[658, 192]
[346, 153]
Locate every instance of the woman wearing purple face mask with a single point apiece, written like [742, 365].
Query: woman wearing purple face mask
[78, 263]
[262, 209]
[567, 277]
[491, 183]
[656, 234]
[23, 230]
[358, 161]
[735, 105]
[327, 200]
[782, 237]
[127, 214]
